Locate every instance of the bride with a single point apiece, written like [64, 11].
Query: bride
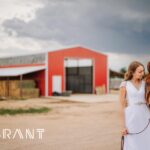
[135, 113]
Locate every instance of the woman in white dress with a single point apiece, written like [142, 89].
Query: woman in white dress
[134, 110]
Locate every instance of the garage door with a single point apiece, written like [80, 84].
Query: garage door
[79, 76]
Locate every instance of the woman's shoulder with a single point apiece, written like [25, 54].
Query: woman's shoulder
[143, 82]
[123, 84]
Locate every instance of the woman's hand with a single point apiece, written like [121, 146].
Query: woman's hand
[124, 131]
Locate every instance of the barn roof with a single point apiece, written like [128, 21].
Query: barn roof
[16, 71]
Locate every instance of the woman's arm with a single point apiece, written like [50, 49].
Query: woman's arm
[123, 102]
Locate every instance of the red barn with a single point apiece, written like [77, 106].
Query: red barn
[78, 69]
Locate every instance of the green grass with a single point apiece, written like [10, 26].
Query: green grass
[6, 111]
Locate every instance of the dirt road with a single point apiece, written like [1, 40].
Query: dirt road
[69, 126]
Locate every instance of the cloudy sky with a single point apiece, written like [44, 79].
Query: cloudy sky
[119, 28]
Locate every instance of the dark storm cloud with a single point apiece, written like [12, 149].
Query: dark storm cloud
[120, 26]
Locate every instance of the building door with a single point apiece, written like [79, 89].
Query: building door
[79, 79]
[57, 84]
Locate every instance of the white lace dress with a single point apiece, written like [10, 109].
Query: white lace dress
[137, 116]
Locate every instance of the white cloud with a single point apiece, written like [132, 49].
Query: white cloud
[10, 43]
[26, 45]
[118, 61]
[21, 9]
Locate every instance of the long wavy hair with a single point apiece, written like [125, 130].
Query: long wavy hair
[131, 70]
[148, 67]
[147, 84]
